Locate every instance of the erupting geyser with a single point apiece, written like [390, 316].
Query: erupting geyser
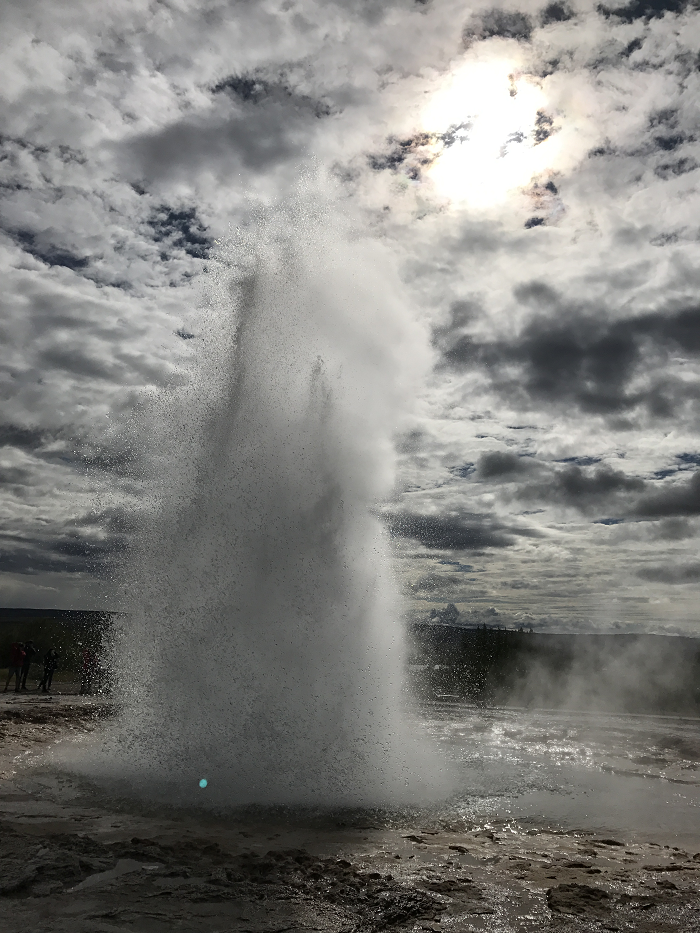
[263, 645]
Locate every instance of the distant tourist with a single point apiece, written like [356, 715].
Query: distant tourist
[50, 664]
[17, 655]
[30, 652]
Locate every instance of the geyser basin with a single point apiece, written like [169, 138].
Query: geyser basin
[262, 646]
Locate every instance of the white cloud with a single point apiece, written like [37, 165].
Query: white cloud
[122, 161]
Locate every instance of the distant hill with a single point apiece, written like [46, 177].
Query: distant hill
[74, 616]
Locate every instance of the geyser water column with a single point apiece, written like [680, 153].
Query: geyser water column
[263, 646]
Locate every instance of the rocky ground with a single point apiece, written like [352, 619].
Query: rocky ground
[72, 863]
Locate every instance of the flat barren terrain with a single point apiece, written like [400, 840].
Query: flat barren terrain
[72, 860]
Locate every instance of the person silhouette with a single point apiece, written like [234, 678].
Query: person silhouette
[50, 663]
[17, 655]
[30, 652]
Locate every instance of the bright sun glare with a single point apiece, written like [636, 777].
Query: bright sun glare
[491, 114]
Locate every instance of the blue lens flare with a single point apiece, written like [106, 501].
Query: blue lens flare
[203, 783]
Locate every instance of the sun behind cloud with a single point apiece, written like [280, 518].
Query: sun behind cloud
[499, 134]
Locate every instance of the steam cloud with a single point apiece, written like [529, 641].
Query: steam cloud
[263, 647]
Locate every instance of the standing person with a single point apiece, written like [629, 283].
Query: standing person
[16, 662]
[50, 664]
[30, 652]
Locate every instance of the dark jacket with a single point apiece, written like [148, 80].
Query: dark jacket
[30, 652]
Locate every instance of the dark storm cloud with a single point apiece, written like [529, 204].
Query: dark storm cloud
[583, 490]
[680, 499]
[506, 24]
[90, 363]
[672, 529]
[64, 447]
[684, 573]
[257, 124]
[460, 531]
[556, 13]
[77, 361]
[14, 435]
[61, 553]
[14, 476]
[501, 464]
[583, 359]
[253, 140]
[643, 9]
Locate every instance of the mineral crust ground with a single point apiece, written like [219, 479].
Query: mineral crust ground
[74, 861]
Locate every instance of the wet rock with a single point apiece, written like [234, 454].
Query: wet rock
[219, 876]
[580, 900]
[452, 886]
[46, 888]
[371, 900]
[15, 879]
[639, 901]
[672, 867]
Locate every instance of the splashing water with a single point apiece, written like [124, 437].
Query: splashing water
[263, 641]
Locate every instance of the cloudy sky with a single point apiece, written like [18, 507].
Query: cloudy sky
[534, 167]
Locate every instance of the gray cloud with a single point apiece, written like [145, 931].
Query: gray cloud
[69, 553]
[504, 24]
[680, 499]
[572, 356]
[253, 136]
[460, 532]
[501, 464]
[643, 9]
[684, 573]
[556, 13]
[14, 435]
[564, 312]
[584, 490]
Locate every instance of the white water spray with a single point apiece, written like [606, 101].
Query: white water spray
[263, 650]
